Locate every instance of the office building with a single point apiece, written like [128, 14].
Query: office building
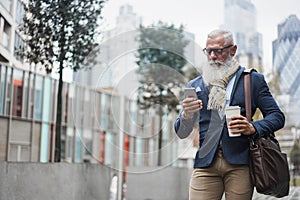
[116, 65]
[286, 62]
[240, 18]
[90, 118]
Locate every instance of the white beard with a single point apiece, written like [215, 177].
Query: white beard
[211, 71]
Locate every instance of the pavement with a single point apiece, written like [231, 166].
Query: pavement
[294, 195]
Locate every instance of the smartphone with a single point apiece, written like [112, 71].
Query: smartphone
[190, 92]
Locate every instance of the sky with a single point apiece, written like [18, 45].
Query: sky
[202, 16]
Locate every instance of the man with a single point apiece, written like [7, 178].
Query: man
[222, 162]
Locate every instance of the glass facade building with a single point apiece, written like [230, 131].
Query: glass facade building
[90, 117]
[90, 128]
[286, 62]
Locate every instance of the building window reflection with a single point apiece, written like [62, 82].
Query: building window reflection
[8, 93]
[89, 130]
[2, 88]
[38, 98]
[17, 93]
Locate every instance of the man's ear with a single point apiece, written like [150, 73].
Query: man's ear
[233, 50]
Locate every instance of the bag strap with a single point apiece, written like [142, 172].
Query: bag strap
[247, 90]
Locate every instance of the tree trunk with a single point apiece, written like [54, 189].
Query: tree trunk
[57, 155]
[160, 129]
[160, 140]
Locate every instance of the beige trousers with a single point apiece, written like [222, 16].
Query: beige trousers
[210, 183]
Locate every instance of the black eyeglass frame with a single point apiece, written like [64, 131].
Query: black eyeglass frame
[217, 51]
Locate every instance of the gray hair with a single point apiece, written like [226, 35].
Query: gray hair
[228, 37]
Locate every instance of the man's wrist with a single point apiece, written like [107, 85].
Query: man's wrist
[186, 116]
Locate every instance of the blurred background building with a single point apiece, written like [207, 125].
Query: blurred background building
[115, 63]
[90, 108]
[286, 62]
[240, 17]
[116, 72]
[90, 131]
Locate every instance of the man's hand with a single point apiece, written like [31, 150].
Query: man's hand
[240, 124]
[190, 106]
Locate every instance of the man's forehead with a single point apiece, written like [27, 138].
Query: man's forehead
[216, 41]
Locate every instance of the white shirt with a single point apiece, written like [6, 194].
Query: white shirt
[229, 88]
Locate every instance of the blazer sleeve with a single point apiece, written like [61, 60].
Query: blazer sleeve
[262, 98]
[184, 127]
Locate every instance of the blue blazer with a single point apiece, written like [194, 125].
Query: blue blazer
[235, 149]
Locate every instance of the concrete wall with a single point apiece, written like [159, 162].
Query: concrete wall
[59, 181]
[3, 137]
[24, 140]
[157, 184]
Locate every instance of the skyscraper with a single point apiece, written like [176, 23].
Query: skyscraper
[286, 62]
[240, 18]
[116, 62]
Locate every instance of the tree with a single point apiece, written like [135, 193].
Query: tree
[273, 84]
[161, 59]
[295, 159]
[60, 33]
[295, 154]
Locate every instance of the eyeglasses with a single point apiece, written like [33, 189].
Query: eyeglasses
[218, 52]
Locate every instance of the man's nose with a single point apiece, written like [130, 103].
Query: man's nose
[212, 55]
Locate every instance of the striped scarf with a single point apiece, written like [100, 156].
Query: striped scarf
[217, 95]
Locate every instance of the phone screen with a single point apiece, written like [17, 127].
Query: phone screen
[190, 92]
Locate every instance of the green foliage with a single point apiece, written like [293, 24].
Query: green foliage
[295, 154]
[60, 31]
[161, 59]
[274, 83]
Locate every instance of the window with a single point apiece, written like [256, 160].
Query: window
[63, 142]
[102, 147]
[6, 35]
[6, 4]
[17, 46]
[87, 142]
[70, 105]
[2, 88]
[88, 108]
[26, 95]
[17, 93]
[104, 106]
[8, 91]
[53, 99]
[19, 12]
[48, 98]
[69, 144]
[19, 152]
[38, 98]
[65, 102]
[30, 95]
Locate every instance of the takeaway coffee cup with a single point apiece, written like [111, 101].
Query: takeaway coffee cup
[229, 112]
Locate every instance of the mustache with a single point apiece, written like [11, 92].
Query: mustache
[215, 62]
